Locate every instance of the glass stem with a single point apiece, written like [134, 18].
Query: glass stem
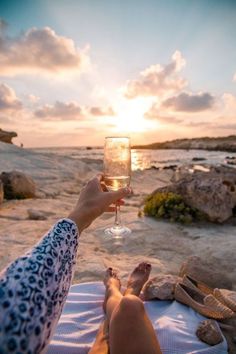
[117, 216]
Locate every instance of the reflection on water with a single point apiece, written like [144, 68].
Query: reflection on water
[142, 159]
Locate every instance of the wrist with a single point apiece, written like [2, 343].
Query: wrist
[79, 219]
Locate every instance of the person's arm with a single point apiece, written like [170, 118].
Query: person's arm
[34, 287]
[33, 290]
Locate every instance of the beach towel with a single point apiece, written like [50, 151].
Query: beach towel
[174, 323]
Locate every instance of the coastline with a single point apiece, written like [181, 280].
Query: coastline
[60, 178]
[227, 144]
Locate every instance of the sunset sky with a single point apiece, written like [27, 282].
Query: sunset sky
[73, 71]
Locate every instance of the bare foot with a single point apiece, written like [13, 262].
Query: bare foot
[111, 282]
[138, 278]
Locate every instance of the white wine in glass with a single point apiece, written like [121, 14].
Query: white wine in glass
[117, 173]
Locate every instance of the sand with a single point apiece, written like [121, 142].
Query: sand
[59, 179]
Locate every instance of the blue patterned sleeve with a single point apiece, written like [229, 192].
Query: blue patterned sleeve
[33, 290]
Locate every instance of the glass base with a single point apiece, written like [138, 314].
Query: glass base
[117, 231]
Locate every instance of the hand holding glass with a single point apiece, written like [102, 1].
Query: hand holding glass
[117, 173]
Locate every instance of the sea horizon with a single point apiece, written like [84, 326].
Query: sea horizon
[140, 145]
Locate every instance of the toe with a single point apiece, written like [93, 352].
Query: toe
[114, 274]
[138, 268]
[109, 271]
[148, 267]
[142, 266]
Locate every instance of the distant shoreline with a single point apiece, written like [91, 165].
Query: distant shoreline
[227, 144]
[224, 144]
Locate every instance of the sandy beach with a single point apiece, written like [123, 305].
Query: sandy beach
[59, 179]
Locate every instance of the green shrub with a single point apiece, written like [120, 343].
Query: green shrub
[170, 206]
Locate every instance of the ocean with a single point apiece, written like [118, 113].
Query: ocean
[144, 159]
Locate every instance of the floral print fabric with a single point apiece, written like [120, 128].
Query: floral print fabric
[33, 290]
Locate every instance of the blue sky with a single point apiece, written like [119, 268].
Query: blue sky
[122, 39]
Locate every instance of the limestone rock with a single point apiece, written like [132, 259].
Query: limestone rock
[208, 332]
[210, 190]
[17, 185]
[205, 272]
[161, 287]
[1, 192]
[36, 214]
[6, 137]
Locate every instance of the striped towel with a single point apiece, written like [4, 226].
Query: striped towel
[175, 324]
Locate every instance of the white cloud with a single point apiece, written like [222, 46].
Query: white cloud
[8, 99]
[158, 80]
[40, 51]
[33, 98]
[229, 103]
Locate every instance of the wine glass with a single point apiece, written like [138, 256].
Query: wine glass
[117, 173]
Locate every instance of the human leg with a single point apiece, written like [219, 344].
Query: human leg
[113, 297]
[126, 315]
[100, 346]
[130, 330]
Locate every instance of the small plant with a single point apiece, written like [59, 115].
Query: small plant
[170, 206]
[140, 213]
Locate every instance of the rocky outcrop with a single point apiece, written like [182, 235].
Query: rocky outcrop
[6, 137]
[17, 185]
[226, 143]
[206, 272]
[212, 191]
[161, 287]
[208, 332]
[1, 192]
[34, 214]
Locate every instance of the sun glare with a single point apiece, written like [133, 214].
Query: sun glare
[130, 116]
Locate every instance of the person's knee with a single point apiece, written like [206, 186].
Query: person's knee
[131, 305]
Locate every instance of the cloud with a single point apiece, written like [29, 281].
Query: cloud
[188, 102]
[71, 111]
[234, 78]
[154, 113]
[229, 126]
[60, 111]
[40, 51]
[158, 80]
[99, 111]
[8, 99]
[201, 124]
[32, 98]
[169, 119]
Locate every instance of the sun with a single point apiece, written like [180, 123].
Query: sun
[130, 116]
